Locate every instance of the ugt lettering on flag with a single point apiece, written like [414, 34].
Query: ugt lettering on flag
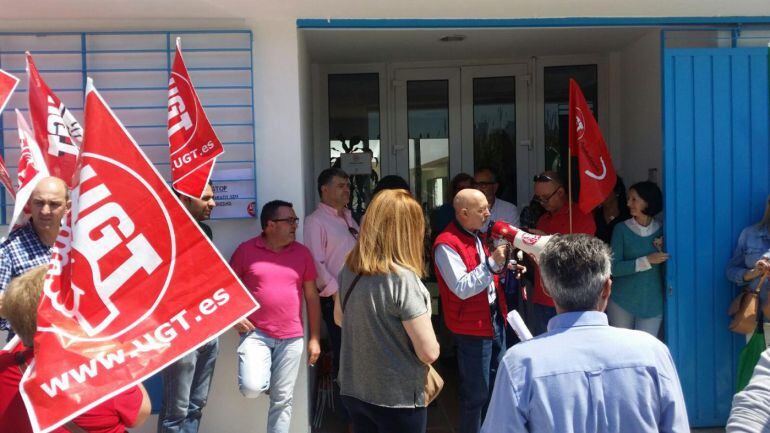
[193, 145]
[133, 282]
[57, 131]
[597, 174]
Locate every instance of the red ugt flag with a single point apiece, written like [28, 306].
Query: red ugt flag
[31, 170]
[5, 178]
[193, 145]
[8, 84]
[597, 175]
[133, 282]
[56, 129]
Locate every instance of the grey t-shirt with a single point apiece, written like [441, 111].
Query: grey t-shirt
[378, 364]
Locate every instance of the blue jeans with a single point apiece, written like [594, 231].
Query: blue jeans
[186, 385]
[541, 314]
[619, 317]
[477, 361]
[266, 363]
[370, 418]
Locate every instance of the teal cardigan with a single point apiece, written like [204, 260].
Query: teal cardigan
[639, 293]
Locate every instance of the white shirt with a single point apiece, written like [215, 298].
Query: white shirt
[503, 211]
[642, 263]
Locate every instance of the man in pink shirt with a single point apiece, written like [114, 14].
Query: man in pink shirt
[330, 233]
[279, 272]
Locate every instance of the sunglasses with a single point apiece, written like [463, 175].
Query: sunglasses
[542, 177]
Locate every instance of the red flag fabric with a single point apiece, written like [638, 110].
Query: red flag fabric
[5, 178]
[597, 174]
[31, 170]
[133, 283]
[8, 84]
[193, 144]
[56, 129]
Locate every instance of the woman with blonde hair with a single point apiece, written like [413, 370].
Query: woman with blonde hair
[129, 408]
[384, 311]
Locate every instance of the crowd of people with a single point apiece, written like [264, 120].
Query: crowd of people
[585, 371]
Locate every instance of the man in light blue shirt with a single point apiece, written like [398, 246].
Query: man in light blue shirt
[583, 375]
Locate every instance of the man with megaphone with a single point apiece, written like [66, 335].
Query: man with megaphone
[473, 303]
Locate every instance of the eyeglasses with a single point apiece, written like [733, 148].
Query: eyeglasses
[544, 201]
[292, 221]
[484, 183]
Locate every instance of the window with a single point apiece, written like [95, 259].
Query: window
[354, 127]
[556, 103]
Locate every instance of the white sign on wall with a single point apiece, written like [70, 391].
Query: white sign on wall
[356, 163]
[234, 193]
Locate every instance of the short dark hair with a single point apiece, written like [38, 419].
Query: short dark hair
[391, 181]
[270, 210]
[650, 193]
[327, 175]
[574, 269]
[488, 170]
[459, 178]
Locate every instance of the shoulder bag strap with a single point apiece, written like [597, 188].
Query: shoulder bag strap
[350, 290]
[758, 291]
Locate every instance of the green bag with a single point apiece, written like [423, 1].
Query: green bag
[748, 359]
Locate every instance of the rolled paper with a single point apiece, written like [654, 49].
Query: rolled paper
[518, 325]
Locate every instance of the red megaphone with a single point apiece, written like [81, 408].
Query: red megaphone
[527, 242]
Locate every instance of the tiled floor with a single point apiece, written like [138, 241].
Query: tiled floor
[442, 414]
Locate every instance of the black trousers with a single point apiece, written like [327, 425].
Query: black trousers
[335, 338]
[369, 418]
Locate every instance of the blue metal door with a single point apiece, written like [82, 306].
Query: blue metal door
[716, 183]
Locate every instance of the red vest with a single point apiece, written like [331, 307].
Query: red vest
[469, 316]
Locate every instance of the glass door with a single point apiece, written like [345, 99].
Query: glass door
[427, 146]
[495, 128]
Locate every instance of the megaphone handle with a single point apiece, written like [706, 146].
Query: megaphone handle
[505, 263]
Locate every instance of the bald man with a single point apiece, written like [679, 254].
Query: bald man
[29, 246]
[473, 304]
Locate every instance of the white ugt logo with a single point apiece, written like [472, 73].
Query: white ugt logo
[176, 108]
[62, 129]
[95, 236]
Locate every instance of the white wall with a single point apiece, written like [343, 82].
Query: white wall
[280, 171]
[152, 10]
[640, 109]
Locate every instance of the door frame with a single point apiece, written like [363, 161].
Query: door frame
[529, 122]
[320, 91]
[525, 163]
[400, 143]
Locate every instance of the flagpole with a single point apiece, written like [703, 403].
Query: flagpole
[569, 188]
